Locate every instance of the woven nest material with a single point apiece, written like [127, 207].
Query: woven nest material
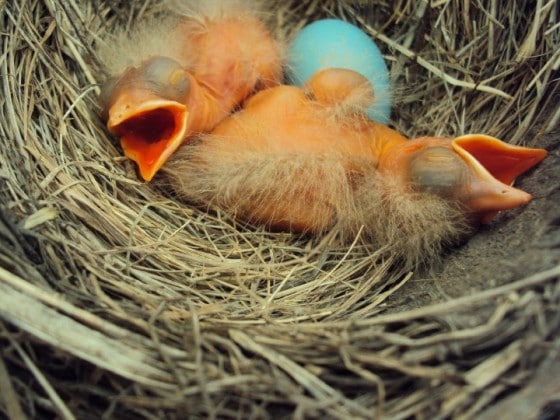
[118, 302]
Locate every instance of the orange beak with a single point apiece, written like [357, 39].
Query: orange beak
[494, 165]
[150, 129]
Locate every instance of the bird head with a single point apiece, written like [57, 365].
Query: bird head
[147, 108]
[476, 171]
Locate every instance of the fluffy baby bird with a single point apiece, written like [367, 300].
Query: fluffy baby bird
[180, 75]
[310, 160]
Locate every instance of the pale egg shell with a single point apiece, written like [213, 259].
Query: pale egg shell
[335, 43]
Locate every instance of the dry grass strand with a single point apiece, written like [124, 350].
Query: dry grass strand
[166, 309]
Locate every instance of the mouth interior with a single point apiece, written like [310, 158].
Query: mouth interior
[498, 164]
[504, 162]
[148, 127]
[149, 137]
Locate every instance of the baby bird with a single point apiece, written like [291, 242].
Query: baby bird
[309, 160]
[181, 75]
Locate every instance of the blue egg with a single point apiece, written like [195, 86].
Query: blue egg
[336, 43]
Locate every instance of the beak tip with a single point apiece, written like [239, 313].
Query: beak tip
[489, 201]
[146, 174]
[510, 199]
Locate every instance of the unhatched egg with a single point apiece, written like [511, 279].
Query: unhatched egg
[336, 43]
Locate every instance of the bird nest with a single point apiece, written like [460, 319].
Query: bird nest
[118, 301]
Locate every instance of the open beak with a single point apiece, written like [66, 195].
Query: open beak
[494, 165]
[147, 107]
[150, 129]
[475, 170]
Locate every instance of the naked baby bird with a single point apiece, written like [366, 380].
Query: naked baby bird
[178, 76]
[310, 160]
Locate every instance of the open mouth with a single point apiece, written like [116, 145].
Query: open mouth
[503, 161]
[494, 167]
[150, 135]
[149, 127]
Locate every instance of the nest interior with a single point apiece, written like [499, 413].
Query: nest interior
[118, 301]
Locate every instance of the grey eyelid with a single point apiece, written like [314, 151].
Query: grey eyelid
[157, 73]
[437, 170]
